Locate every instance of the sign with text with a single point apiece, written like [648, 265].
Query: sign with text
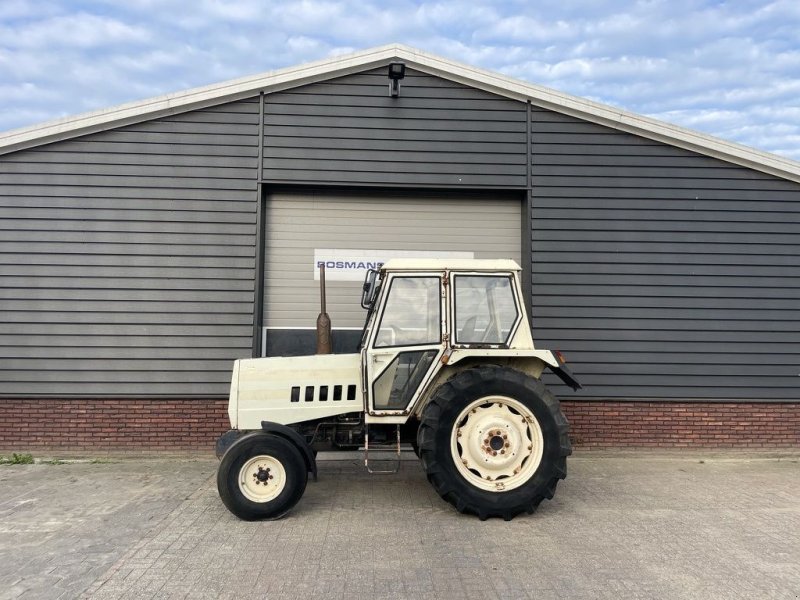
[352, 265]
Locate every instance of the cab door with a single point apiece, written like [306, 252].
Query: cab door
[406, 342]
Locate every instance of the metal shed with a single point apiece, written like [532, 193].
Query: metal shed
[146, 246]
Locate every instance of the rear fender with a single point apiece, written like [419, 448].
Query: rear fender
[563, 372]
[531, 365]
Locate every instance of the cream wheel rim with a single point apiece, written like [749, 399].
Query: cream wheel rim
[262, 478]
[497, 443]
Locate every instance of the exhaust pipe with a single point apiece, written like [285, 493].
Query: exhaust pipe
[324, 343]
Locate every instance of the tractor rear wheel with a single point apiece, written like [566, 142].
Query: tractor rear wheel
[494, 442]
[261, 476]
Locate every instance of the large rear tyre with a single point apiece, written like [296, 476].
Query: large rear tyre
[261, 476]
[494, 442]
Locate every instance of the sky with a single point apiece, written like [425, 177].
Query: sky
[729, 69]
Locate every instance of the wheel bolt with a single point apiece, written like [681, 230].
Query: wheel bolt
[530, 447]
[486, 441]
[505, 437]
[508, 445]
[494, 453]
[501, 452]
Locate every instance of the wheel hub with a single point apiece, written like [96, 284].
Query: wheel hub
[262, 478]
[497, 443]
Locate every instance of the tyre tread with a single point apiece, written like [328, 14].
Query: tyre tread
[449, 392]
[232, 498]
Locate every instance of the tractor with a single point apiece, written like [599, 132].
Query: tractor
[446, 363]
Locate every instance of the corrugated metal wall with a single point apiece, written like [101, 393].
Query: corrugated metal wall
[127, 258]
[436, 133]
[660, 272]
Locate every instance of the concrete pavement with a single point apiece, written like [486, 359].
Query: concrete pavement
[626, 525]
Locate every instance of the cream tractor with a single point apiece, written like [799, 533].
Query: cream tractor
[446, 362]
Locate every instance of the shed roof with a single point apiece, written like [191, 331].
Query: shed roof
[282, 79]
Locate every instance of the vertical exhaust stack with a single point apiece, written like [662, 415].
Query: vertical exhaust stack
[323, 320]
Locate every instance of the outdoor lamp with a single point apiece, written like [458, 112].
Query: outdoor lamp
[397, 71]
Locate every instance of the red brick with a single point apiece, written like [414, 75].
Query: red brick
[671, 424]
[106, 424]
[148, 425]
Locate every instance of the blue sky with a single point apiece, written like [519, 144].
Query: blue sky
[731, 69]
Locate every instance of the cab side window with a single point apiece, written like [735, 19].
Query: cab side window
[485, 309]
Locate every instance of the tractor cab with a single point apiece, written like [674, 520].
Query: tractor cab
[426, 314]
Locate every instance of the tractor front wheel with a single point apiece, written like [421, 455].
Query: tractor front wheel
[261, 476]
[493, 442]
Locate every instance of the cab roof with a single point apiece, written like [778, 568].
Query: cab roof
[450, 264]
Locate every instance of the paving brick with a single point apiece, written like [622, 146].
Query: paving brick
[623, 525]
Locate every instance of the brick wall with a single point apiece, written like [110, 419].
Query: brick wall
[141, 425]
[684, 424]
[131, 425]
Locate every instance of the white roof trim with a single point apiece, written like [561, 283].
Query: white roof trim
[338, 66]
[453, 264]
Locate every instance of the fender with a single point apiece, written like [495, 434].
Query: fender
[563, 372]
[226, 440]
[297, 439]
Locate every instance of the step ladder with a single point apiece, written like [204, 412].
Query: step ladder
[382, 447]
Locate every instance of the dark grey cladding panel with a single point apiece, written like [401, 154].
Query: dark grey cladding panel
[127, 258]
[661, 273]
[436, 133]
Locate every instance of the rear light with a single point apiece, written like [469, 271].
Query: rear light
[561, 358]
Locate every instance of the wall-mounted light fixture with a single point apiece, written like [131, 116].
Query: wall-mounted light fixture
[397, 71]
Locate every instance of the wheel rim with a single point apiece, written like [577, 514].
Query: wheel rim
[262, 478]
[497, 443]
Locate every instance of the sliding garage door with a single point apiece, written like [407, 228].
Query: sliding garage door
[353, 228]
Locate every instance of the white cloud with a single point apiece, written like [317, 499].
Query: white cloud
[21, 9]
[81, 30]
